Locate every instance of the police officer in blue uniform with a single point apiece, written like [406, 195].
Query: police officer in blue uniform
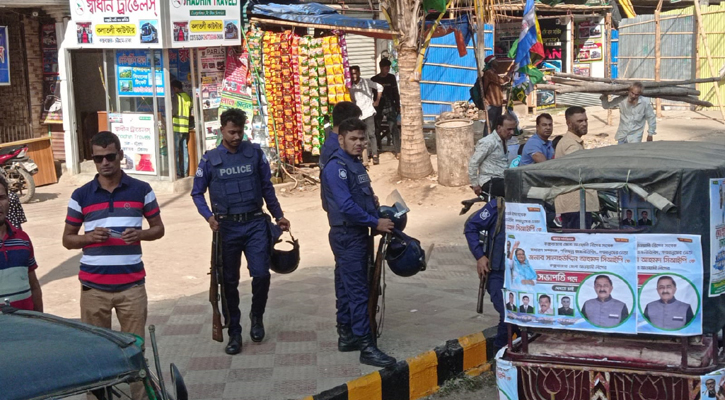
[238, 177]
[351, 209]
[486, 237]
[342, 111]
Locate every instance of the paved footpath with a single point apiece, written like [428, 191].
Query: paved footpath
[299, 355]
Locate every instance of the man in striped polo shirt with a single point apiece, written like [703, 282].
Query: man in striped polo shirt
[112, 208]
[18, 282]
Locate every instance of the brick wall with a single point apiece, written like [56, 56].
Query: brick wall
[34, 58]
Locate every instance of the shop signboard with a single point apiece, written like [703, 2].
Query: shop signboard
[201, 23]
[138, 142]
[717, 237]
[118, 24]
[133, 73]
[4, 57]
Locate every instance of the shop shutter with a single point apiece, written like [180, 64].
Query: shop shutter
[361, 52]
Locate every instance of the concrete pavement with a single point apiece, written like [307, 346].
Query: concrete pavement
[299, 356]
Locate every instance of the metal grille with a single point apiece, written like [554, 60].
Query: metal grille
[15, 121]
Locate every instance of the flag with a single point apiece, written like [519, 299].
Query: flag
[527, 52]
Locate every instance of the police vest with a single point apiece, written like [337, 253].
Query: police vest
[235, 186]
[358, 182]
[181, 121]
[672, 315]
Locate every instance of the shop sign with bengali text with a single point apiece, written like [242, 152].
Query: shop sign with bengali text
[201, 23]
[138, 141]
[119, 24]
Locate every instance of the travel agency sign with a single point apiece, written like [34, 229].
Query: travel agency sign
[126, 24]
[203, 23]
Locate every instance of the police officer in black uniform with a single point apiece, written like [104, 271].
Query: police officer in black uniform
[351, 209]
[238, 177]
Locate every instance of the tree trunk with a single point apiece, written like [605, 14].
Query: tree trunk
[414, 158]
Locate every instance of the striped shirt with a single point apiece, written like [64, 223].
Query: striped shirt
[112, 265]
[17, 260]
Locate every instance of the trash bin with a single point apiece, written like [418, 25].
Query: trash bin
[454, 146]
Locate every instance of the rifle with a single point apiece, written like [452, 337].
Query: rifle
[484, 239]
[216, 289]
[376, 269]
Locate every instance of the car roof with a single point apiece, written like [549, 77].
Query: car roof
[57, 357]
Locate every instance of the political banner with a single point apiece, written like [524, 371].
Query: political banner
[117, 24]
[506, 378]
[669, 277]
[712, 385]
[133, 73]
[201, 23]
[717, 237]
[138, 142]
[4, 57]
[522, 217]
[572, 281]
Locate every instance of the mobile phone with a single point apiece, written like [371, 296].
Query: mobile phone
[115, 234]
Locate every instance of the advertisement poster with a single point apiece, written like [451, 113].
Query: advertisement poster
[554, 36]
[133, 73]
[589, 29]
[712, 385]
[197, 23]
[119, 24]
[636, 211]
[669, 276]
[591, 50]
[717, 237]
[211, 89]
[212, 59]
[522, 217]
[582, 70]
[506, 378]
[235, 73]
[4, 57]
[138, 141]
[180, 67]
[581, 282]
[52, 112]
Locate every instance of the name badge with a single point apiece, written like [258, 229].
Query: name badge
[678, 318]
[614, 315]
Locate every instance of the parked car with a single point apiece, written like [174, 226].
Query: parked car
[46, 356]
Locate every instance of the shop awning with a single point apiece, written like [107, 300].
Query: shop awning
[315, 15]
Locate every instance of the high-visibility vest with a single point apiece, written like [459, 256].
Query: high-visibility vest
[181, 121]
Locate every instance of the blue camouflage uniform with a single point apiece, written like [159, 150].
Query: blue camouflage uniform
[330, 146]
[349, 201]
[485, 220]
[238, 184]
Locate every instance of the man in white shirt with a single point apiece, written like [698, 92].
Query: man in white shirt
[362, 95]
[633, 114]
[489, 160]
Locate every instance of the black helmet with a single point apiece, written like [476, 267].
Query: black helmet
[405, 257]
[286, 261]
[390, 213]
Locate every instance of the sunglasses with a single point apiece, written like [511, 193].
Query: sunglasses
[110, 157]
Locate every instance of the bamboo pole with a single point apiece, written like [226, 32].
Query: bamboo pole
[703, 36]
[608, 59]
[658, 55]
[647, 84]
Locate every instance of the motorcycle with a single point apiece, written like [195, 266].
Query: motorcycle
[18, 170]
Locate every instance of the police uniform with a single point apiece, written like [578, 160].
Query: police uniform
[238, 184]
[349, 201]
[485, 220]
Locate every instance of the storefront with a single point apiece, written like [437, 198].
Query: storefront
[122, 61]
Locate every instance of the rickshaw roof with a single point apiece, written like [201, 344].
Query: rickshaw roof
[48, 356]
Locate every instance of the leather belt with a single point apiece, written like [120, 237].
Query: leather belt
[244, 217]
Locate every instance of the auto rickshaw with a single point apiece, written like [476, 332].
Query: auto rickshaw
[674, 180]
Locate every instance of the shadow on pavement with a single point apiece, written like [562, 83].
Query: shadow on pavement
[66, 269]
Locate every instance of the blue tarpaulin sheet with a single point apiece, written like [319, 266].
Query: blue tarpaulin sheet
[314, 13]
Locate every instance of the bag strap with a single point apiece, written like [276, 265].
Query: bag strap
[501, 205]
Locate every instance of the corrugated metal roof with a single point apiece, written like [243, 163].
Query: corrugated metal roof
[441, 82]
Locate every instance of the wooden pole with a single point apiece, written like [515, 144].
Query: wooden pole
[658, 54]
[608, 59]
[703, 36]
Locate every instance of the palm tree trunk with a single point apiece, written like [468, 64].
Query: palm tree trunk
[414, 158]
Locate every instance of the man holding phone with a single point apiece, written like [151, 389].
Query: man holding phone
[112, 208]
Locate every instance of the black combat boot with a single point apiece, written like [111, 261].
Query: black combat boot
[235, 344]
[257, 330]
[371, 355]
[346, 340]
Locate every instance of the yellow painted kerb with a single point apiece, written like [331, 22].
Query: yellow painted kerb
[423, 378]
[474, 350]
[368, 387]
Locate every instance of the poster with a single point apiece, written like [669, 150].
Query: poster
[572, 281]
[138, 141]
[236, 92]
[522, 217]
[4, 57]
[582, 70]
[196, 23]
[212, 135]
[212, 59]
[211, 89]
[712, 385]
[590, 28]
[507, 378]
[669, 276]
[591, 50]
[52, 110]
[119, 24]
[545, 99]
[554, 38]
[717, 237]
[133, 73]
[180, 67]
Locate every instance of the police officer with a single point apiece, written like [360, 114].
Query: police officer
[351, 209]
[238, 177]
[486, 236]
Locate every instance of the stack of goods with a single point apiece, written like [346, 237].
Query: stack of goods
[337, 72]
[313, 81]
[254, 43]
